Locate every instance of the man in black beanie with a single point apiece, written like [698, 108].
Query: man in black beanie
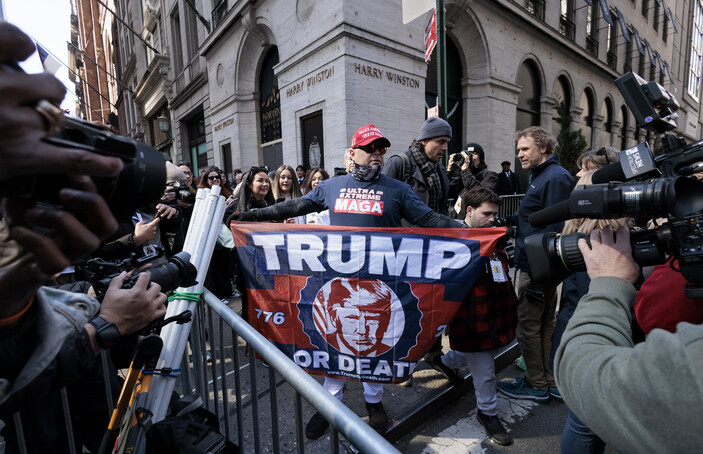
[420, 166]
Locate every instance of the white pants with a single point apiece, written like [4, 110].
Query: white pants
[373, 392]
[483, 370]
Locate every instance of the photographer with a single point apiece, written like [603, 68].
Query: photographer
[46, 339]
[643, 398]
[467, 173]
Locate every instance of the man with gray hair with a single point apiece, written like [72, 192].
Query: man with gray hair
[548, 183]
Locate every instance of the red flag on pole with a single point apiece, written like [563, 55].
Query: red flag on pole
[431, 35]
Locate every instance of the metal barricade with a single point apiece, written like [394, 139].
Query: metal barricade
[510, 204]
[261, 409]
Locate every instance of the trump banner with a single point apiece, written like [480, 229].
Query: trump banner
[357, 304]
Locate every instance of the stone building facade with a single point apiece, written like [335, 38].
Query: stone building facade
[247, 82]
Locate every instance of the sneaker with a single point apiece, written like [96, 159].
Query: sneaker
[407, 383]
[448, 372]
[555, 394]
[377, 416]
[236, 294]
[494, 429]
[316, 427]
[521, 389]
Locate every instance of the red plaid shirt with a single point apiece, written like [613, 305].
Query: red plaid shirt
[488, 316]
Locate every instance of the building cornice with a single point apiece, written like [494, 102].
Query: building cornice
[152, 79]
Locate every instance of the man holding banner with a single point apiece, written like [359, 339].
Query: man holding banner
[357, 304]
[485, 323]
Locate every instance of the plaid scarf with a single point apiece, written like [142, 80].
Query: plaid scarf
[429, 171]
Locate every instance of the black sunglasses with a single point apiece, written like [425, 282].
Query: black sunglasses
[603, 152]
[214, 178]
[372, 148]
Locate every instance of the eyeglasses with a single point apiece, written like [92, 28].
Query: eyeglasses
[213, 178]
[372, 148]
[257, 169]
[188, 172]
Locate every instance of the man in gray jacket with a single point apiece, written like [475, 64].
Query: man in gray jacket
[643, 398]
[420, 166]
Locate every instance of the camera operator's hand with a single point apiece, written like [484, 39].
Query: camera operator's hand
[144, 232]
[21, 127]
[468, 160]
[165, 211]
[169, 195]
[132, 309]
[37, 242]
[609, 255]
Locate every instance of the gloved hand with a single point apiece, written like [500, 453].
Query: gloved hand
[535, 293]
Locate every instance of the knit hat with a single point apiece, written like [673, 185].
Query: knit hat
[434, 127]
[174, 173]
[367, 134]
[474, 147]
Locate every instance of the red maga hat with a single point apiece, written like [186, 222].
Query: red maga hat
[367, 134]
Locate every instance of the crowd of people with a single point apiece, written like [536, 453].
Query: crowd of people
[636, 390]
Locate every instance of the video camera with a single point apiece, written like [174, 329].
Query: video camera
[648, 186]
[141, 181]
[178, 272]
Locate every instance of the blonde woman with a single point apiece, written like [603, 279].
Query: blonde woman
[285, 186]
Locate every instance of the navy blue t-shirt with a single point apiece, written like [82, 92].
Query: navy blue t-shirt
[379, 203]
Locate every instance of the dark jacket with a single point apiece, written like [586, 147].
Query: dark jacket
[394, 167]
[507, 185]
[549, 183]
[487, 318]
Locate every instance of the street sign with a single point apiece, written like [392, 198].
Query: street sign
[431, 35]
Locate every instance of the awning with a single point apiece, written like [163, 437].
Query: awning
[606, 11]
[623, 26]
[659, 59]
[671, 18]
[638, 40]
[668, 71]
[650, 52]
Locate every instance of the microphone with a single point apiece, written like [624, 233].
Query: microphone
[606, 174]
[558, 212]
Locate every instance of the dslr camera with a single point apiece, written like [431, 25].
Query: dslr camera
[183, 192]
[141, 181]
[639, 185]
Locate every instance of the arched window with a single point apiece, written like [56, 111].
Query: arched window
[528, 100]
[606, 130]
[623, 128]
[586, 121]
[454, 98]
[270, 111]
[561, 93]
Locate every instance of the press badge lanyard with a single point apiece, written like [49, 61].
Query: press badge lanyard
[497, 269]
[147, 248]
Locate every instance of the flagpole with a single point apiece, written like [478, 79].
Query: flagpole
[76, 74]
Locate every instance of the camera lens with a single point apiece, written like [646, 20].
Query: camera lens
[178, 272]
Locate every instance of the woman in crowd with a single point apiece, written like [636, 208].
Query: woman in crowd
[213, 177]
[255, 191]
[323, 217]
[284, 187]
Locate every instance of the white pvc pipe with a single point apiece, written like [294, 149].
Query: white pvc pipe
[199, 243]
